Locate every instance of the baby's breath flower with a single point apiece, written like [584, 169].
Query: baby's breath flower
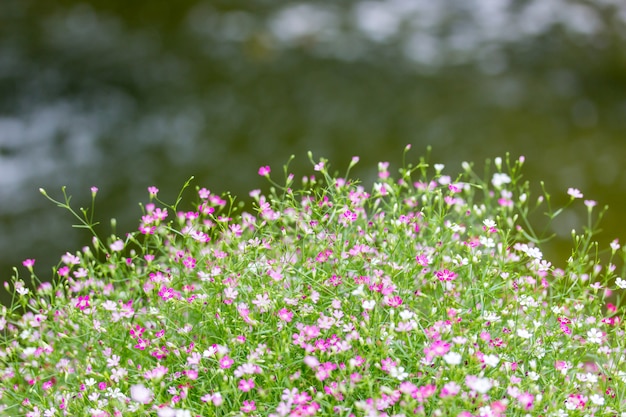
[452, 358]
[594, 336]
[321, 296]
[499, 179]
[574, 193]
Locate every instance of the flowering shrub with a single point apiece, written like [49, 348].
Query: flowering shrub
[422, 296]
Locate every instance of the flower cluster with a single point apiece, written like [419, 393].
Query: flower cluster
[423, 296]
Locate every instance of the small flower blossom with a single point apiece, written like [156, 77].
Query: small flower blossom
[590, 204]
[264, 171]
[445, 275]
[246, 385]
[139, 393]
[83, 302]
[594, 336]
[499, 179]
[452, 358]
[481, 385]
[117, 246]
[398, 373]
[248, 406]
[226, 362]
[597, 399]
[574, 193]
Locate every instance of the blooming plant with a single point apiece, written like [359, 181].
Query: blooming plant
[427, 295]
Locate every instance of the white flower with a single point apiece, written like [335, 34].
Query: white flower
[524, 334]
[22, 290]
[491, 316]
[574, 193]
[534, 253]
[491, 360]
[595, 336]
[452, 358]
[487, 242]
[369, 304]
[533, 376]
[530, 251]
[481, 385]
[358, 291]
[485, 411]
[499, 179]
[398, 373]
[620, 283]
[172, 412]
[406, 314]
[115, 393]
[489, 223]
[456, 228]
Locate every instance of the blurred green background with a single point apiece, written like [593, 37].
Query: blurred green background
[124, 95]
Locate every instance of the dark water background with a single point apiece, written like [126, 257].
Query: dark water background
[124, 95]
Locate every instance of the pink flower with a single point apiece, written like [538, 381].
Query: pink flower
[203, 193]
[395, 301]
[246, 385]
[445, 275]
[83, 302]
[423, 392]
[28, 263]
[265, 171]
[285, 315]
[217, 399]
[526, 400]
[226, 362]
[590, 204]
[438, 348]
[576, 401]
[450, 389]
[248, 407]
[139, 393]
[153, 191]
[117, 246]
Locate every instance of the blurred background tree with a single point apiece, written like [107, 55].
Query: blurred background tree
[123, 95]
